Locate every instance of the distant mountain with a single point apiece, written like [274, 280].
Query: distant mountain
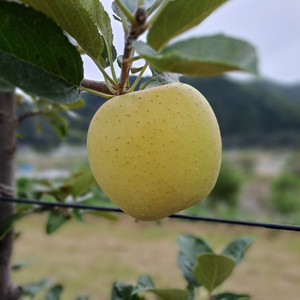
[255, 113]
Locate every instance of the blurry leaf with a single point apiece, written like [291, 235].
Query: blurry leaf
[163, 78]
[58, 122]
[75, 105]
[76, 213]
[144, 282]
[55, 221]
[72, 17]
[54, 293]
[230, 296]
[121, 291]
[80, 183]
[82, 298]
[203, 56]
[7, 225]
[191, 289]
[20, 265]
[34, 288]
[237, 248]
[189, 248]
[212, 269]
[48, 198]
[191, 14]
[170, 294]
[103, 214]
[48, 67]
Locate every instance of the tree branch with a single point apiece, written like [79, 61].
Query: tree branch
[137, 28]
[28, 114]
[99, 86]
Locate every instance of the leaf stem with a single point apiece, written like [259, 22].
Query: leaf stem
[142, 87]
[138, 78]
[134, 58]
[111, 89]
[124, 22]
[104, 95]
[113, 83]
[111, 63]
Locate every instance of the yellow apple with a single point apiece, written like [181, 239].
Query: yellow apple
[157, 151]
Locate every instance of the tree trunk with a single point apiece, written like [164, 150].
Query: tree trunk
[8, 290]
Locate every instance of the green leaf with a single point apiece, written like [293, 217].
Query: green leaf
[203, 56]
[34, 288]
[59, 123]
[236, 249]
[73, 18]
[55, 221]
[190, 247]
[79, 183]
[36, 56]
[144, 282]
[54, 293]
[212, 269]
[169, 24]
[7, 225]
[82, 298]
[75, 105]
[77, 214]
[230, 296]
[163, 78]
[170, 294]
[121, 291]
[101, 19]
[103, 214]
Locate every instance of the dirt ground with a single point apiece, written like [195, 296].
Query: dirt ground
[87, 258]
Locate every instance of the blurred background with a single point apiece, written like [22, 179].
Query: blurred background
[259, 119]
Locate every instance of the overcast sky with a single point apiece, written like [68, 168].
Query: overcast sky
[272, 26]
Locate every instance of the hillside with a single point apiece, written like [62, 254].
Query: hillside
[255, 113]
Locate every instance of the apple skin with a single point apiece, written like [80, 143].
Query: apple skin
[157, 151]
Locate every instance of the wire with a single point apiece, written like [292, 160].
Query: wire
[177, 216]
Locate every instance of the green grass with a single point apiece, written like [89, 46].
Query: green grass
[87, 258]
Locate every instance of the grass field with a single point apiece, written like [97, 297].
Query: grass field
[87, 258]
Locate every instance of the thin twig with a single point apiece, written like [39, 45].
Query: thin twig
[137, 28]
[31, 113]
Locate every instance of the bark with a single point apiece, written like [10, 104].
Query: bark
[8, 290]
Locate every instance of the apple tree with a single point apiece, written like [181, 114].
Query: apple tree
[41, 43]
